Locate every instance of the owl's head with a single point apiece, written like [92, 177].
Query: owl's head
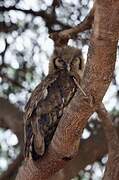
[68, 58]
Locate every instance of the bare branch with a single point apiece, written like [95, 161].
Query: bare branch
[112, 167]
[61, 38]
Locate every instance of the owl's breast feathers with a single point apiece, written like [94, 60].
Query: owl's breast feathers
[44, 110]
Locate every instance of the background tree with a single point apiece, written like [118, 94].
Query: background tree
[24, 53]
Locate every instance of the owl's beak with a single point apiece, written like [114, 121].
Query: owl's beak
[68, 67]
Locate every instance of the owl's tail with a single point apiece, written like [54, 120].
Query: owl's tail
[38, 144]
[34, 140]
[28, 140]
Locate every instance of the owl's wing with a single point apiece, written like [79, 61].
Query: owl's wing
[39, 94]
[31, 121]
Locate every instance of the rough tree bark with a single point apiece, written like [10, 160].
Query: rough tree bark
[102, 53]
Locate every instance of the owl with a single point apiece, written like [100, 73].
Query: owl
[49, 99]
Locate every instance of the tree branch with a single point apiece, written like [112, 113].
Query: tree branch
[112, 167]
[95, 145]
[61, 38]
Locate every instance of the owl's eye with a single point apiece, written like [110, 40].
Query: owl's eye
[59, 63]
[78, 62]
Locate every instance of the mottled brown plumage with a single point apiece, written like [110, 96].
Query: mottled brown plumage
[47, 102]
